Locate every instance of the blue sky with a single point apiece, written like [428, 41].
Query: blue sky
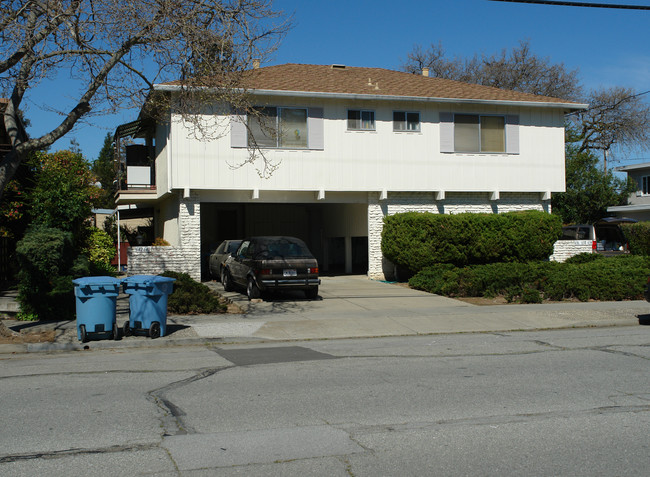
[609, 47]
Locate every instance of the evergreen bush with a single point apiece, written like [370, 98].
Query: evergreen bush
[416, 240]
[638, 237]
[607, 278]
[191, 297]
[46, 259]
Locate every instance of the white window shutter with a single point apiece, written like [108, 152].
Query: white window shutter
[446, 132]
[315, 128]
[238, 132]
[512, 134]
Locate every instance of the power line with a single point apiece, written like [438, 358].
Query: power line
[578, 4]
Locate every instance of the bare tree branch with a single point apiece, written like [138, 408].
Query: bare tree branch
[117, 50]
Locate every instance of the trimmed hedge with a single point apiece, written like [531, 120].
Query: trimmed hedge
[638, 237]
[416, 240]
[606, 278]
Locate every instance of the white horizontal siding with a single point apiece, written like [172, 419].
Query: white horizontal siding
[378, 160]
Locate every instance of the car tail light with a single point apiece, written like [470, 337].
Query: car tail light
[312, 270]
[264, 271]
[593, 245]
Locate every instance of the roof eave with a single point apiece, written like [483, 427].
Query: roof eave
[632, 167]
[383, 97]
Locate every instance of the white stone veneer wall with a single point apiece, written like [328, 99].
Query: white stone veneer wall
[186, 258]
[563, 249]
[379, 268]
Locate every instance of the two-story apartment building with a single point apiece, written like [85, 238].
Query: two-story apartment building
[351, 146]
[638, 207]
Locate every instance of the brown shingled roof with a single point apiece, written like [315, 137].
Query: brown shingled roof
[347, 80]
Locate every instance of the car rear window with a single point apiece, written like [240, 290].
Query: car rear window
[281, 248]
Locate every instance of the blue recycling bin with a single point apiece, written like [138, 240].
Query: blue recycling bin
[96, 304]
[147, 304]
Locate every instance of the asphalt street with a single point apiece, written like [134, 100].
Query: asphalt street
[558, 402]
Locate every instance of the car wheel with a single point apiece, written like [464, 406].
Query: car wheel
[252, 290]
[126, 329]
[115, 334]
[226, 280]
[84, 335]
[312, 293]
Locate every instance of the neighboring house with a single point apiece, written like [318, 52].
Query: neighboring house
[639, 201]
[352, 145]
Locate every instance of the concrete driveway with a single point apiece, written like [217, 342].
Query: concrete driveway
[347, 296]
[354, 306]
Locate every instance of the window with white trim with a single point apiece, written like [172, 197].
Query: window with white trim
[278, 127]
[479, 133]
[361, 120]
[406, 121]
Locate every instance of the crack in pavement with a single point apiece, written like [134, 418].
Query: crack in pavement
[607, 349]
[494, 420]
[90, 373]
[172, 419]
[71, 452]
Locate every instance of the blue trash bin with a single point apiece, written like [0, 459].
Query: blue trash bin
[147, 304]
[96, 303]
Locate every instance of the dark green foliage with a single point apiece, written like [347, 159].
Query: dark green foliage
[638, 237]
[45, 256]
[104, 170]
[416, 240]
[605, 278]
[191, 297]
[63, 194]
[584, 258]
[48, 262]
[589, 190]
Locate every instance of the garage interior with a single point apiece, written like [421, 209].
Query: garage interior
[337, 234]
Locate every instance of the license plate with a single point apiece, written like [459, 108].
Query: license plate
[289, 272]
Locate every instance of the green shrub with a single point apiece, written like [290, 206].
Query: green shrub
[192, 297]
[416, 240]
[584, 258]
[100, 249]
[605, 278]
[638, 237]
[46, 259]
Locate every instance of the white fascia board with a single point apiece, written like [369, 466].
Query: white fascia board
[633, 167]
[629, 208]
[380, 97]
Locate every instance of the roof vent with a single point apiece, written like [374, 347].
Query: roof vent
[338, 67]
[425, 71]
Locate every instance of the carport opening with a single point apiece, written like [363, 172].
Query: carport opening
[335, 233]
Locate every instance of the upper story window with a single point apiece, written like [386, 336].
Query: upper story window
[476, 133]
[359, 120]
[279, 127]
[406, 121]
[645, 185]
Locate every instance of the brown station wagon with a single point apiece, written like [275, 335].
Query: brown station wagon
[263, 264]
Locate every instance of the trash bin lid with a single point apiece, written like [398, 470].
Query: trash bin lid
[147, 279]
[148, 285]
[97, 281]
[90, 286]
